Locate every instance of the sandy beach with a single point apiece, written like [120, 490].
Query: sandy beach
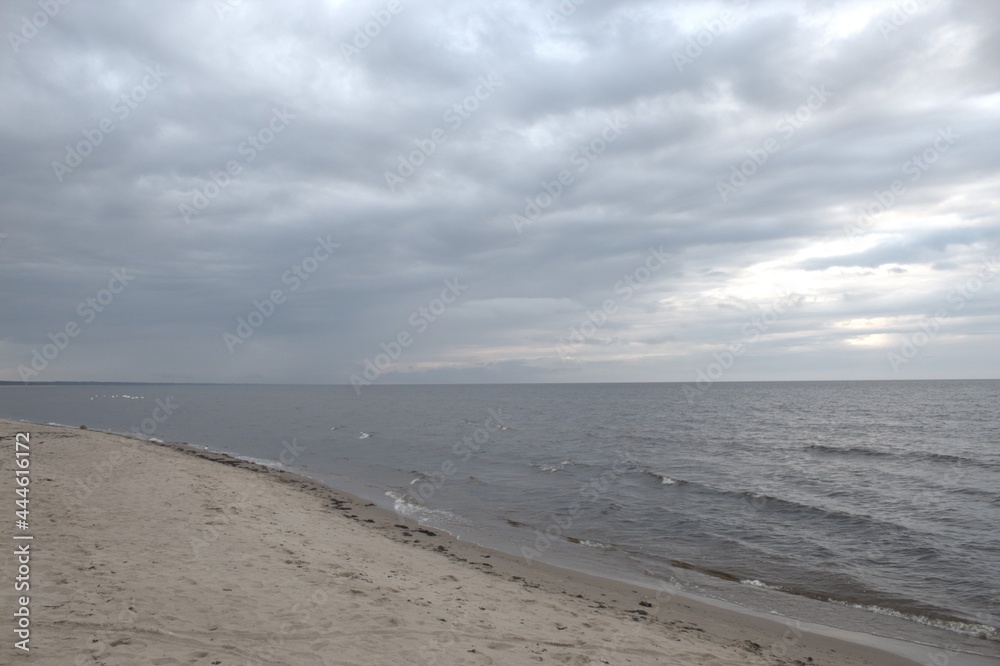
[153, 554]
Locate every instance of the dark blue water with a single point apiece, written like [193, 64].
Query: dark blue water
[867, 505]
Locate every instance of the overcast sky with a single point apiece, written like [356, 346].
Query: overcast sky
[510, 191]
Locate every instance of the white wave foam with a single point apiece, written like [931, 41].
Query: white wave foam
[421, 513]
[561, 467]
[596, 544]
[965, 628]
[757, 583]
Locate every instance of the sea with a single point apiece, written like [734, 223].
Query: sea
[868, 506]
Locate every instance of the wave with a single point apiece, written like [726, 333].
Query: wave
[752, 500]
[273, 464]
[973, 629]
[746, 500]
[758, 501]
[407, 505]
[561, 467]
[931, 456]
[589, 543]
[953, 459]
[439, 478]
[756, 583]
[851, 450]
[715, 573]
[939, 620]
[664, 479]
[992, 496]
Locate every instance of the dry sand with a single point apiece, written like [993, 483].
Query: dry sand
[151, 554]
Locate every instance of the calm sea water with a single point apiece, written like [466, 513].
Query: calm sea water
[872, 506]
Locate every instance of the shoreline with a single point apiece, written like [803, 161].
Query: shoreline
[664, 616]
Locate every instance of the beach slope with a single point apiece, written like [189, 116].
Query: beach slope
[151, 554]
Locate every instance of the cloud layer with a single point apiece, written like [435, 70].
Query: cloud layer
[614, 191]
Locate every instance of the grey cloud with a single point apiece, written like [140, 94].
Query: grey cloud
[655, 185]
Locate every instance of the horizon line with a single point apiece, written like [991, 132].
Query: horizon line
[276, 383]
